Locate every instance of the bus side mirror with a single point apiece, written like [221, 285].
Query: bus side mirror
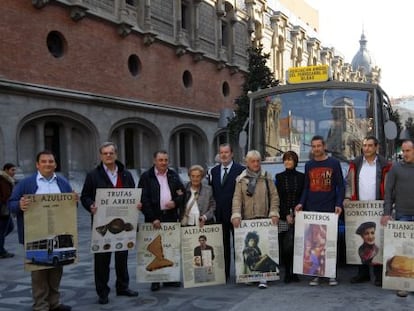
[390, 129]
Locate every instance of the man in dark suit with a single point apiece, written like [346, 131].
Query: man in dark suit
[223, 182]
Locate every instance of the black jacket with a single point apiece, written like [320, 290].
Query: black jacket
[150, 197]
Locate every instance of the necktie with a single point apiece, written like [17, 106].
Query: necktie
[224, 175]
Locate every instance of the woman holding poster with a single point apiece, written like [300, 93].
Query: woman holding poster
[199, 204]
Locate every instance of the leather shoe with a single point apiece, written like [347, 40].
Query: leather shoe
[155, 287]
[360, 279]
[127, 292]
[103, 300]
[62, 307]
[378, 282]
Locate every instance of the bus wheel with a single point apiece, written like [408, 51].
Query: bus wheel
[55, 261]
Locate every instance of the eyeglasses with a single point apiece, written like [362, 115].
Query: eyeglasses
[108, 153]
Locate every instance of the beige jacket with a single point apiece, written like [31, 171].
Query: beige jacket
[256, 206]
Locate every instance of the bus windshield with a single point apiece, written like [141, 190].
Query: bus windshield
[289, 120]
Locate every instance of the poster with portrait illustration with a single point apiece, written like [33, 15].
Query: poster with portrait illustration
[256, 250]
[51, 232]
[202, 256]
[398, 272]
[315, 244]
[159, 253]
[363, 232]
[115, 222]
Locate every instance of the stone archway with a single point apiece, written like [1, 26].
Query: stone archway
[69, 136]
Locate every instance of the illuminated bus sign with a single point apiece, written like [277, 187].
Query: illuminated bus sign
[308, 74]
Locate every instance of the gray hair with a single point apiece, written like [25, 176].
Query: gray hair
[253, 154]
[196, 167]
[107, 144]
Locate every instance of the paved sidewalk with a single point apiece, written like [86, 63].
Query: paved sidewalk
[78, 289]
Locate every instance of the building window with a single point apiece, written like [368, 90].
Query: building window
[187, 79]
[134, 65]
[226, 89]
[224, 34]
[185, 15]
[56, 43]
[131, 2]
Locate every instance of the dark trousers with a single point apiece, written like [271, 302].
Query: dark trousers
[228, 236]
[102, 263]
[363, 271]
[6, 226]
[286, 251]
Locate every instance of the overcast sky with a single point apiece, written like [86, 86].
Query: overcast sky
[388, 27]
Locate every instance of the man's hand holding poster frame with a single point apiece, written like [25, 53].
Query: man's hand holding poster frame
[363, 232]
[398, 272]
[315, 244]
[257, 251]
[159, 253]
[51, 233]
[115, 221]
[202, 256]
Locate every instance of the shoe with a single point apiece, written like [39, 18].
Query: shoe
[103, 300]
[172, 284]
[314, 282]
[402, 293]
[333, 282]
[6, 254]
[155, 287]
[360, 279]
[127, 292]
[62, 307]
[378, 282]
[262, 285]
[295, 278]
[287, 279]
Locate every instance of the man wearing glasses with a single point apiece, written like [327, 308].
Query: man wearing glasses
[110, 173]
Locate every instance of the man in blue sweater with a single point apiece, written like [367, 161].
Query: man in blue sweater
[45, 283]
[324, 188]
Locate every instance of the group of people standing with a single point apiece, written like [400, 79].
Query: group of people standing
[233, 193]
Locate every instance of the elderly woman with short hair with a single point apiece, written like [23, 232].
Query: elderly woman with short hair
[199, 204]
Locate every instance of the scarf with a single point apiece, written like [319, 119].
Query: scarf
[252, 178]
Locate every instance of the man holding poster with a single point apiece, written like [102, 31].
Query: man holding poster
[110, 173]
[399, 192]
[324, 188]
[45, 282]
[365, 181]
[255, 196]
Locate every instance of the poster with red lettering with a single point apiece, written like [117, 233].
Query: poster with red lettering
[398, 272]
[315, 244]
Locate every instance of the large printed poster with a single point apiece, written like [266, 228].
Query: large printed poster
[51, 233]
[256, 250]
[159, 253]
[115, 221]
[202, 256]
[315, 244]
[398, 272]
[363, 232]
